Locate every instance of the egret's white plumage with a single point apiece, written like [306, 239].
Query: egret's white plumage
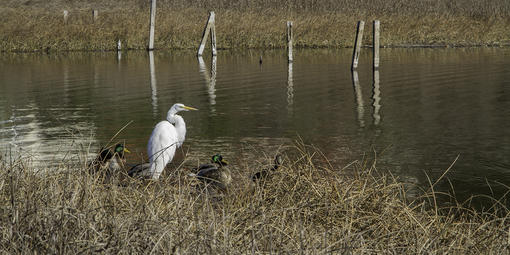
[165, 138]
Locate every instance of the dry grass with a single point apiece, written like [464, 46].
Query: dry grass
[306, 207]
[38, 25]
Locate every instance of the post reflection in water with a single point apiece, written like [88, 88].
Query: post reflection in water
[377, 98]
[210, 80]
[154, 89]
[359, 98]
[290, 89]
[119, 57]
[66, 82]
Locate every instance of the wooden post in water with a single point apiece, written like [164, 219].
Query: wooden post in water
[66, 16]
[213, 38]
[376, 44]
[152, 24]
[357, 45]
[289, 41]
[119, 48]
[95, 15]
[209, 27]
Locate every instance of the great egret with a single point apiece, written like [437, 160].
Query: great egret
[168, 135]
[278, 160]
[215, 173]
[109, 161]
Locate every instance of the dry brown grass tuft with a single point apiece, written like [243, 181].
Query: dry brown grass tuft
[38, 25]
[306, 206]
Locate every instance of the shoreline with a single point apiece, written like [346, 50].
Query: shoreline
[297, 48]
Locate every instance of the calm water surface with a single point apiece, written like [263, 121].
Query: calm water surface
[421, 110]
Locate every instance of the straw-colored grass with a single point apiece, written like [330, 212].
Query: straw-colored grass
[39, 25]
[306, 207]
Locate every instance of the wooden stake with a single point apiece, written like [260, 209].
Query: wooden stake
[289, 41]
[213, 38]
[208, 26]
[66, 16]
[376, 44]
[95, 15]
[357, 45]
[119, 48]
[152, 24]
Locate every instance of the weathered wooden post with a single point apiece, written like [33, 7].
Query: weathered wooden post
[66, 16]
[95, 15]
[119, 48]
[152, 24]
[289, 41]
[357, 45]
[213, 38]
[376, 44]
[209, 28]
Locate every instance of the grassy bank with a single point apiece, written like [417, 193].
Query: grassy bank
[307, 206]
[38, 25]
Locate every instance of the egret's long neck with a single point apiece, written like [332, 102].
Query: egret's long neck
[179, 125]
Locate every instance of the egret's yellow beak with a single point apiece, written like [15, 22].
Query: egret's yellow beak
[126, 150]
[190, 108]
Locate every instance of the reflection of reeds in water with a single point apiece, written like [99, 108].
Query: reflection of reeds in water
[304, 207]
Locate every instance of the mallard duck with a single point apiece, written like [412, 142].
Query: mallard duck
[110, 160]
[140, 170]
[278, 160]
[215, 173]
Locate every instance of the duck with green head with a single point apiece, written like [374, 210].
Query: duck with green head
[215, 173]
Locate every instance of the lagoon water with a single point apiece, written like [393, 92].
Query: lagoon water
[421, 110]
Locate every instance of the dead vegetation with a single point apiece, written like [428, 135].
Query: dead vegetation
[306, 207]
[39, 25]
